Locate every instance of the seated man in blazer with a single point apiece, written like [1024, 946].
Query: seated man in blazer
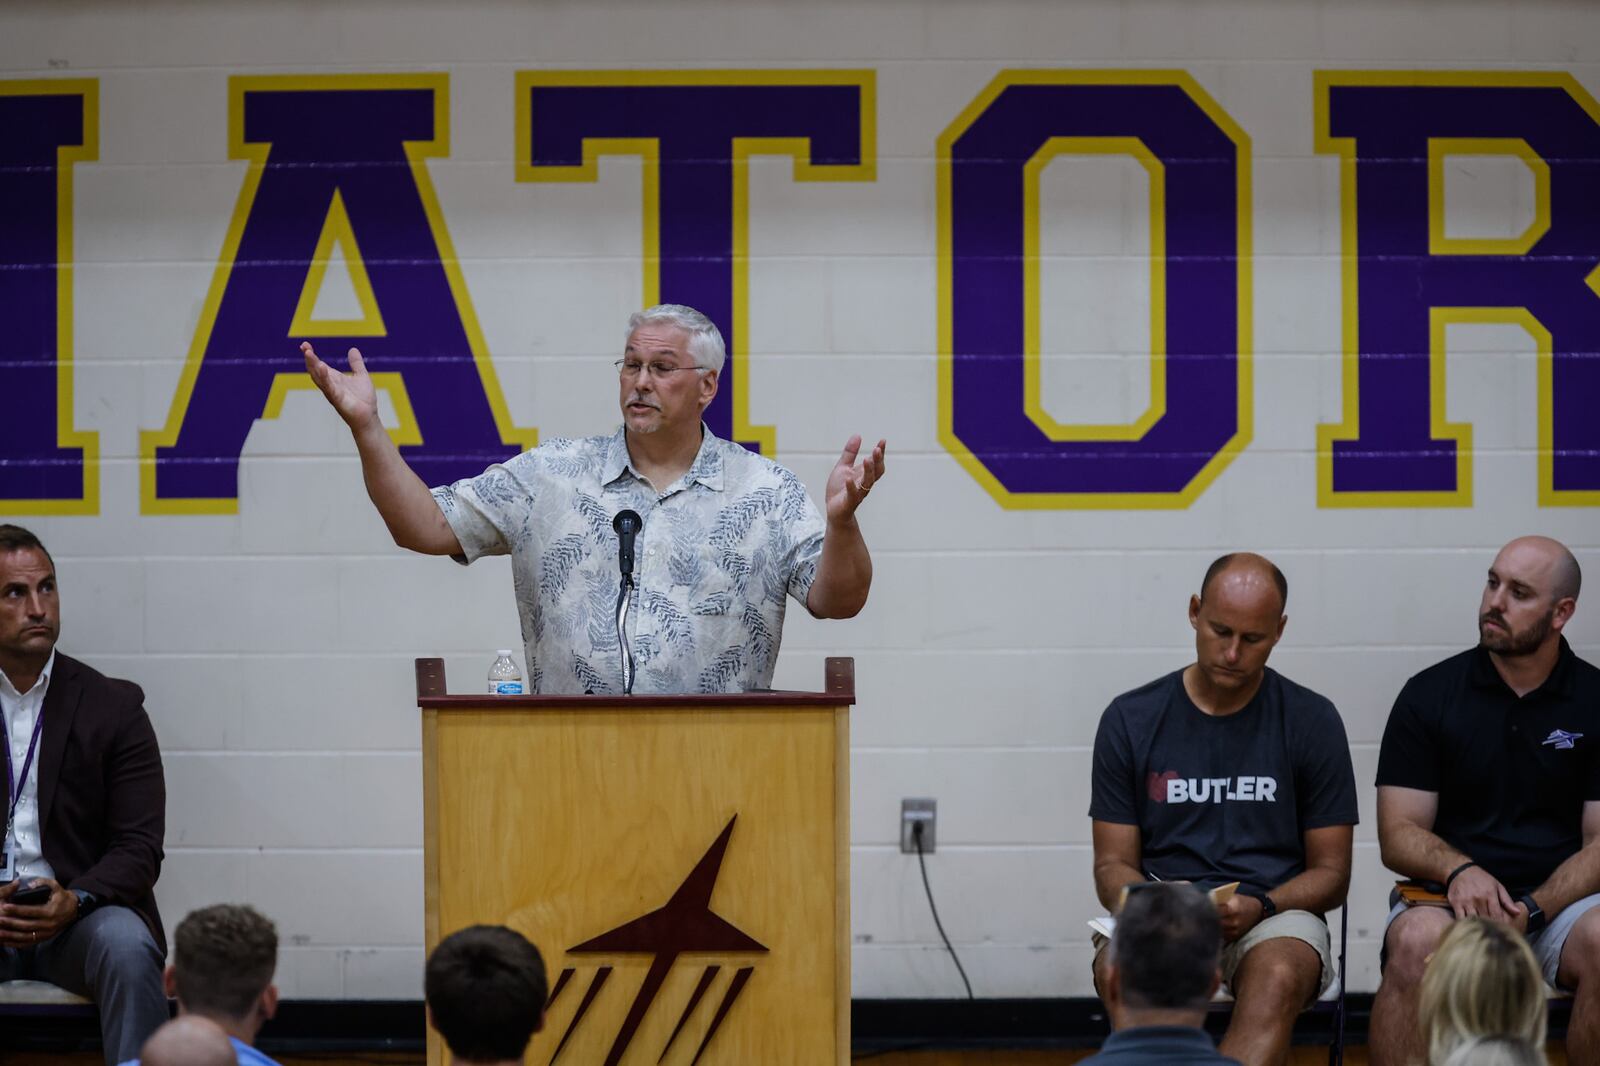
[85, 814]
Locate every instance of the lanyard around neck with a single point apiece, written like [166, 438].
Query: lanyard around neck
[15, 783]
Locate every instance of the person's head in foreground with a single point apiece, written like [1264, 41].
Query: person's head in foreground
[223, 959]
[485, 987]
[1482, 981]
[188, 1041]
[1164, 956]
[1497, 1051]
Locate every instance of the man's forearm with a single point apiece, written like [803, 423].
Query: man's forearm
[844, 573]
[401, 497]
[1318, 889]
[1110, 878]
[1579, 876]
[1412, 851]
[129, 861]
[126, 870]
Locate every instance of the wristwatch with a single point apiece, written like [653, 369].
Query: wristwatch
[1268, 908]
[86, 902]
[1536, 919]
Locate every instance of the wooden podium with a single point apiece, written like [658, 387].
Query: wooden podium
[682, 863]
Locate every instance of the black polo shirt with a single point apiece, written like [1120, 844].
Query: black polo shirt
[1512, 773]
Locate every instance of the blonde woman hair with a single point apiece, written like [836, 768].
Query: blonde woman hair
[1483, 981]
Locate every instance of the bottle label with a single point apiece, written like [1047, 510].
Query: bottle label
[508, 688]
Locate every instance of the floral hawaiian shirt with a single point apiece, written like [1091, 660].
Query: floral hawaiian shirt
[719, 550]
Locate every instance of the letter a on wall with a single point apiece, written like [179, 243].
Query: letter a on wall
[990, 415]
[696, 131]
[337, 175]
[46, 466]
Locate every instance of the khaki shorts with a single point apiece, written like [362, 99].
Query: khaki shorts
[1294, 925]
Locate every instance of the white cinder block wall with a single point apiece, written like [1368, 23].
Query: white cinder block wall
[275, 646]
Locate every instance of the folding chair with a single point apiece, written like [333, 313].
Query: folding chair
[1335, 997]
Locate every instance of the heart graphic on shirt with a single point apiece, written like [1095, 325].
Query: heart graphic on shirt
[1157, 784]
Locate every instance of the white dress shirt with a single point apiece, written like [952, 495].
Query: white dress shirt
[21, 712]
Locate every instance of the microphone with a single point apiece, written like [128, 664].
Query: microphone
[627, 524]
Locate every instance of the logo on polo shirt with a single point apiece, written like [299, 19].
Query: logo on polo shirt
[1561, 739]
[1171, 788]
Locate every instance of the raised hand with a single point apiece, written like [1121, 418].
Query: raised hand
[352, 394]
[849, 484]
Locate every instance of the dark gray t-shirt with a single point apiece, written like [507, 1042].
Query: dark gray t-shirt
[1220, 799]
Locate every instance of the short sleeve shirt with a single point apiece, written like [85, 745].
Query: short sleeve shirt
[1222, 798]
[719, 551]
[1512, 773]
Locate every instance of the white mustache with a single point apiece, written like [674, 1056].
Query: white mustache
[636, 398]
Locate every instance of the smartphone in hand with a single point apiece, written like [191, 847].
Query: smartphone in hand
[32, 894]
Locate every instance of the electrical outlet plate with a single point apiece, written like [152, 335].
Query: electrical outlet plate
[912, 812]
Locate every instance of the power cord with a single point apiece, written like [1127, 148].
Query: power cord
[916, 835]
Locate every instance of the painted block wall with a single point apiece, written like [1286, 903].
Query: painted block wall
[275, 645]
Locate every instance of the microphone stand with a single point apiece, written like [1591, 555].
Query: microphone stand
[627, 524]
[624, 601]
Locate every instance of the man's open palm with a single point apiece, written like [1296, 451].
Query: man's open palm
[849, 484]
[352, 394]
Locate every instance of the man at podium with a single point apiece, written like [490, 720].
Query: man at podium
[726, 533]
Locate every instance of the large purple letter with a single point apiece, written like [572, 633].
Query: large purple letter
[695, 131]
[46, 466]
[336, 159]
[1404, 281]
[1200, 410]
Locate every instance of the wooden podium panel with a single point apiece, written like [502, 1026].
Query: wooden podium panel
[661, 852]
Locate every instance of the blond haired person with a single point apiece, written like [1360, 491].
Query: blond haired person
[1483, 981]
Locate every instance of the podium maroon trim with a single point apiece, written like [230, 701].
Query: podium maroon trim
[839, 687]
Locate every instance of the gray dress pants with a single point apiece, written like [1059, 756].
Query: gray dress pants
[111, 958]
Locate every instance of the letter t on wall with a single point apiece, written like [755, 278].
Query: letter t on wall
[696, 131]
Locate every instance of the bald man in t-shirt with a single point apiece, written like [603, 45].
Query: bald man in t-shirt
[1226, 771]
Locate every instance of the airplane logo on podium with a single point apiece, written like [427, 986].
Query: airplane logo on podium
[684, 923]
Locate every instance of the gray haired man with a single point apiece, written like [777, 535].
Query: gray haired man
[727, 533]
[1164, 968]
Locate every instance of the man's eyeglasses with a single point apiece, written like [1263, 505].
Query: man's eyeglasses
[631, 368]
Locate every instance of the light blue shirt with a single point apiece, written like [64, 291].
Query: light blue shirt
[249, 1056]
[719, 551]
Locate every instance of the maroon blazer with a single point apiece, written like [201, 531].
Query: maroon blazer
[102, 795]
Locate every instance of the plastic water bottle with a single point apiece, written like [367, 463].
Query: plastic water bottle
[504, 677]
